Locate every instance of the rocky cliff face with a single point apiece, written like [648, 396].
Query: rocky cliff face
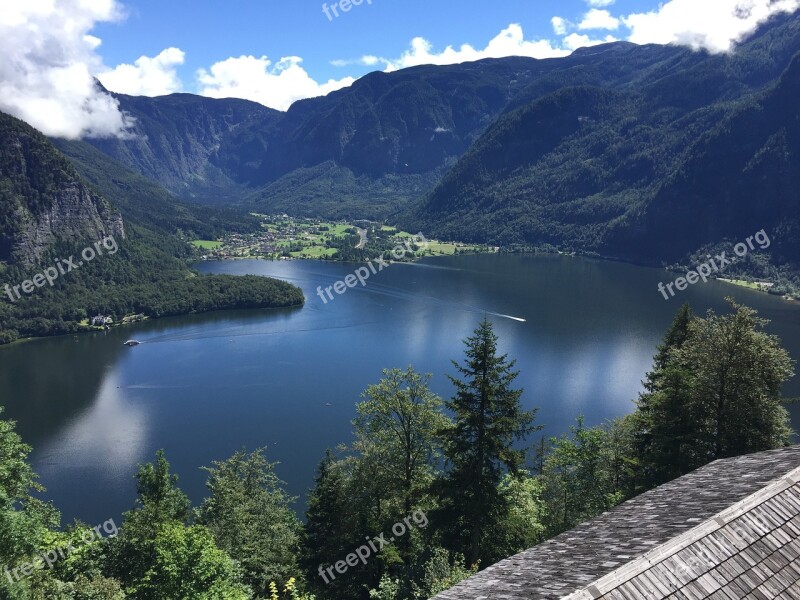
[75, 215]
[43, 200]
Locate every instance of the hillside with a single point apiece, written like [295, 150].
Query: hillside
[689, 153]
[647, 153]
[50, 216]
[197, 148]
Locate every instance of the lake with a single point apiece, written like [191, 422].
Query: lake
[202, 387]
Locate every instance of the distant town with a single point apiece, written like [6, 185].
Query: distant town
[285, 237]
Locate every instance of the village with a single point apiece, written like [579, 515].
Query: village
[285, 237]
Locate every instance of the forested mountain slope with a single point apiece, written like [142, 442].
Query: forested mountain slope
[698, 149]
[67, 253]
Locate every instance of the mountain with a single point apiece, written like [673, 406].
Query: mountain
[197, 148]
[68, 253]
[370, 150]
[691, 150]
[647, 153]
[406, 126]
[366, 150]
[42, 200]
[145, 202]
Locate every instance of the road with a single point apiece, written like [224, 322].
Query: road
[363, 241]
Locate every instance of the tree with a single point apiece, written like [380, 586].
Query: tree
[580, 477]
[480, 446]
[662, 420]
[715, 392]
[24, 520]
[187, 564]
[250, 517]
[158, 494]
[397, 429]
[523, 526]
[159, 503]
[738, 371]
[329, 533]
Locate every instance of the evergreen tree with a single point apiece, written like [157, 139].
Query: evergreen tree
[480, 447]
[159, 503]
[662, 420]
[329, 534]
[251, 518]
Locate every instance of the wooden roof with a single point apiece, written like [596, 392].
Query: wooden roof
[751, 550]
[726, 531]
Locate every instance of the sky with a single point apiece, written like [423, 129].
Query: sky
[277, 52]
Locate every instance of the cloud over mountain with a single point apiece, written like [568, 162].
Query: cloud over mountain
[48, 65]
[147, 76]
[257, 79]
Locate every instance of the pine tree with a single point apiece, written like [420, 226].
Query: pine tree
[480, 447]
[662, 419]
[328, 535]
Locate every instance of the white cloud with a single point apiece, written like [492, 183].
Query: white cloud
[599, 19]
[47, 67]
[155, 76]
[600, 3]
[576, 40]
[560, 25]
[714, 25]
[509, 42]
[257, 79]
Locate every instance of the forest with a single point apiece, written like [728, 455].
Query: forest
[149, 275]
[468, 475]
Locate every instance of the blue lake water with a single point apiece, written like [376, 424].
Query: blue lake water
[202, 387]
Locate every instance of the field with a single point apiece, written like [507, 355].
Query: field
[289, 237]
[207, 244]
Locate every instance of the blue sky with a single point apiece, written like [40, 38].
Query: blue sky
[275, 53]
[209, 30]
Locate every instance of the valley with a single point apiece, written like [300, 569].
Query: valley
[285, 237]
[277, 290]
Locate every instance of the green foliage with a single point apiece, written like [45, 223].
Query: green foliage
[715, 394]
[397, 431]
[480, 446]
[146, 275]
[290, 591]
[158, 494]
[714, 391]
[159, 503]
[330, 530]
[441, 572]
[524, 525]
[24, 520]
[250, 516]
[581, 476]
[187, 564]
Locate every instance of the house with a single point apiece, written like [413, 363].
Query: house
[101, 320]
[726, 531]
